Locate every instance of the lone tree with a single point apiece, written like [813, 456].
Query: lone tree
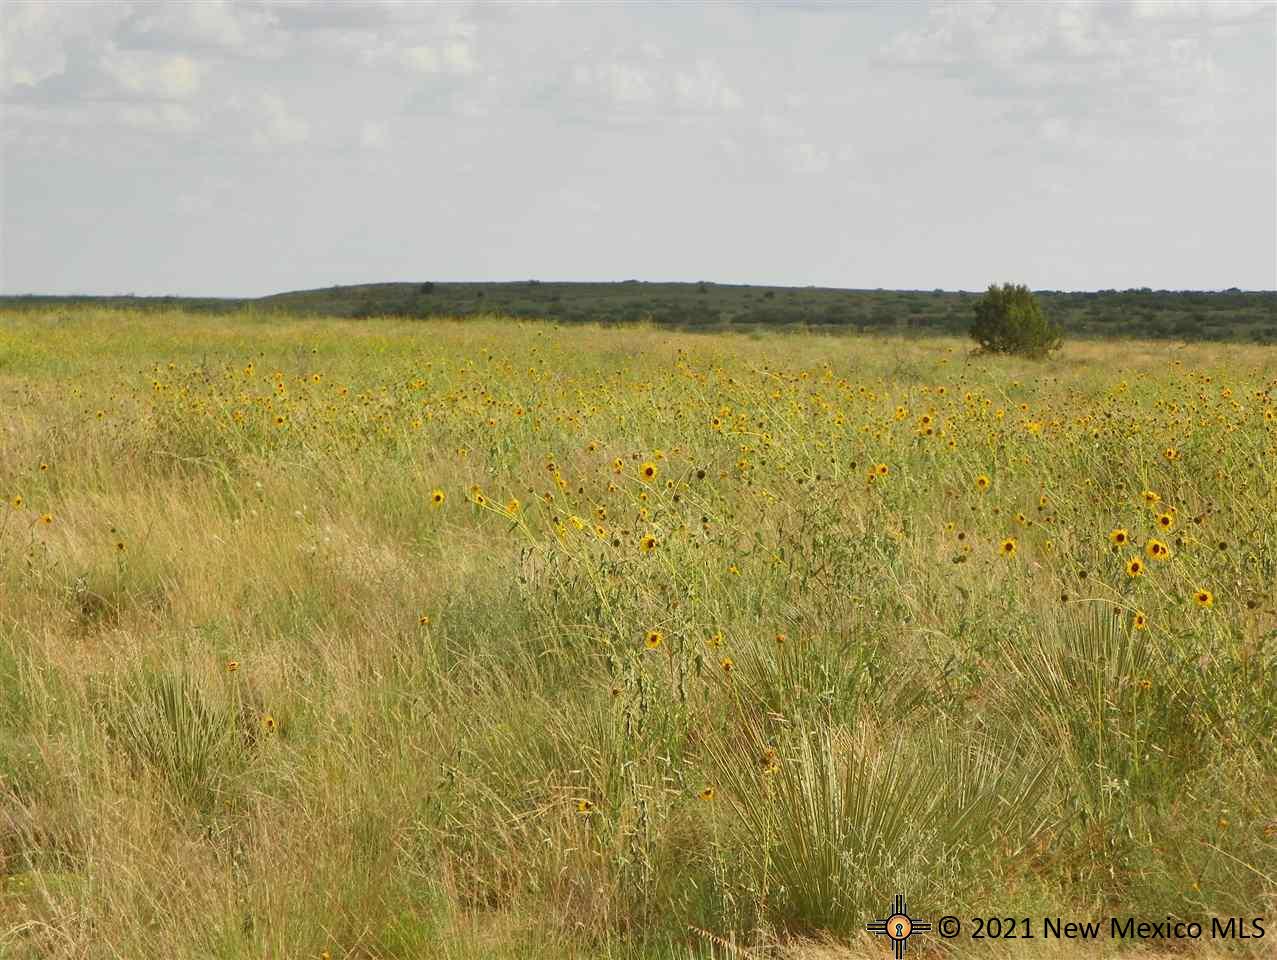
[1008, 319]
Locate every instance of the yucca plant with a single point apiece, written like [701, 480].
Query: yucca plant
[166, 723]
[833, 822]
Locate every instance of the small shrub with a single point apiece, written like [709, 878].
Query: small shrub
[1008, 319]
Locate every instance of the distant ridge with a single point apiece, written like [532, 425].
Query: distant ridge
[1180, 315]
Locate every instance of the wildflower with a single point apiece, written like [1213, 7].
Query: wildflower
[512, 507]
[1151, 497]
[585, 807]
[1007, 547]
[1170, 453]
[769, 761]
[653, 639]
[17, 501]
[1119, 537]
[715, 641]
[1157, 550]
[1140, 620]
[1204, 598]
[437, 498]
[46, 518]
[268, 723]
[1135, 567]
[728, 664]
[982, 483]
[1165, 521]
[232, 666]
[707, 794]
[647, 543]
[882, 469]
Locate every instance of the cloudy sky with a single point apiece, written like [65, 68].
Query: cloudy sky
[241, 149]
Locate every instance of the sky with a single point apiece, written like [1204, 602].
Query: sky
[237, 149]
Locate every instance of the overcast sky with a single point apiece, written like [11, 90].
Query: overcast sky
[245, 149]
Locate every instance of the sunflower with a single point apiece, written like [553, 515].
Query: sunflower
[1157, 550]
[1119, 537]
[1165, 521]
[1151, 497]
[647, 543]
[437, 498]
[882, 469]
[1170, 453]
[46, 518]
[585, 807]
[1135, 567]
[1204, 598]
[707, 794]
[727, 663]
[648, 471]
[653, 639]
[1007, 547]
[769, 761]
[982, 482]
[17, 501]
[1139, 621]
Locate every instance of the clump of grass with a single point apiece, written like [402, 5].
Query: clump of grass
[166, 723]
[831, 820]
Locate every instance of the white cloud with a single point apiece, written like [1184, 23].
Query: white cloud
[146, 75]
[620, 84]
[374, 136]
[455, 57]
[422, 59]
[1112, 65]
[160, 118]
[208, 23]
[459, 57]
[273, 124]
[705, 88]
[37, 40]
[806, 158]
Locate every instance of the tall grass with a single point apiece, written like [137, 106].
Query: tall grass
[261, 696]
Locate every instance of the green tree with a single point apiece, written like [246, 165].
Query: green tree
[1008, 319]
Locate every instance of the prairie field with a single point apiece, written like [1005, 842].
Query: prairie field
[377, 638]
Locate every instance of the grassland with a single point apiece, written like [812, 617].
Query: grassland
[389, 638]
